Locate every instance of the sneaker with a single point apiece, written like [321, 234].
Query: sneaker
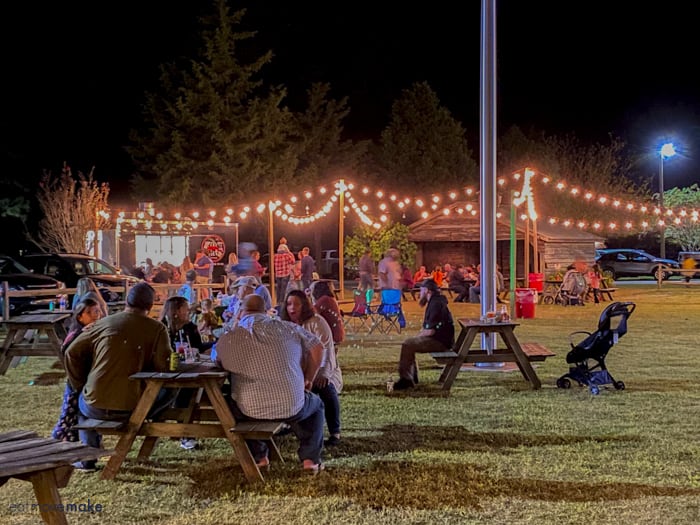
[332, 441]
[188, 443]
[85, 466]
[404, 384]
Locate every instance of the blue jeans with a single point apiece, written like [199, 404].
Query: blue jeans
[331, 403]
[307, 425]
[92, 438]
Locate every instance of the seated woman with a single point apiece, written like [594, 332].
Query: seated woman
[420, 276]
[85, 313]
[84, 286]
[438, 275]
[176, 316]
[329, 379]
[327, 307]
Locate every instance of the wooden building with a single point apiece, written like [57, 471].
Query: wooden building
[454, 238]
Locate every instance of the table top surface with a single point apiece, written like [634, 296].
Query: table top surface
[470, 323]
[43, 318]
[23, 451]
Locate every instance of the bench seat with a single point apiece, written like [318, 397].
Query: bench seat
[533, 351]
[102, 426]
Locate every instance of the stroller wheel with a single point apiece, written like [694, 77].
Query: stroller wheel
[563, 382]
[548, 299]
[619, 385]
[594, 390]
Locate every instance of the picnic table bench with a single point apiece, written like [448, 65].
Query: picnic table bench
[515, 352]
[207, 416]
[45, 462]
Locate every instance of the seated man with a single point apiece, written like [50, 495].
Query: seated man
[273, 364]
[241, 288]
[458, 284]
[437, 334]
[475, 290]
[101, 359]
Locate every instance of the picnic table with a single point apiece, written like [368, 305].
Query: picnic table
[45, 462]
[194, 421]
[463, 352]
[24, 337]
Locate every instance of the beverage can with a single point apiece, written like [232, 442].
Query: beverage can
[174, 361]
[390, 385]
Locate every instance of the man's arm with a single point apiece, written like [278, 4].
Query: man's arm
[78, 360]
[161, 351]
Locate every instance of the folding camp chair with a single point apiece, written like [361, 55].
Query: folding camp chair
[388, 316]
[360, 317]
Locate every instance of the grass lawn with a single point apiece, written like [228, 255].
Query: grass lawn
[490, 451]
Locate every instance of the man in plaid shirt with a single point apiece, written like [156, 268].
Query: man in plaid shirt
[283, 261]
[273, 364]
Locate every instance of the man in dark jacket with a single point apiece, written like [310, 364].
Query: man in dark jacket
[437, 334]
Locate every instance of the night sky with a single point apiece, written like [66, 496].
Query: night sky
[75, 72]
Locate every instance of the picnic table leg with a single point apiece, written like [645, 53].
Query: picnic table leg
[457, 362]
[5, 359]
[149, 443]
[458, 344]
[223, 412]
[520, 358]
[46, 491]
[133, 426]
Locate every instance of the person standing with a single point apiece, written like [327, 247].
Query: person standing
[204, 267]
[436, 335]
[389, 270]
[366, 267]
[308, 267]
[101, 359]
[283, 261]
[273, 364]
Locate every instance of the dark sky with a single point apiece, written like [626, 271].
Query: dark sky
[75, 72]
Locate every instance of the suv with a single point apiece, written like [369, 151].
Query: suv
[19, 278]
[623, 262]
[70, 267]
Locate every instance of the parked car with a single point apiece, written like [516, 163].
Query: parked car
[624, 262]
[70, 267]
[21, 278]
[329, 264]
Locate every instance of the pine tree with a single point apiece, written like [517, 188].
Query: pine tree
[424, 147]
[214, 133]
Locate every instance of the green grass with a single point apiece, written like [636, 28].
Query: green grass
[490, 451]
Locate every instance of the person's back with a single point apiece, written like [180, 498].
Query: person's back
[267, 359]
[121, 345]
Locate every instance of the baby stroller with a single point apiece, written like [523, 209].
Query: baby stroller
[571, 290]
[611, 326]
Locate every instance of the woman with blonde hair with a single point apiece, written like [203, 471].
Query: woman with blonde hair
[85, 288]
[186, 265]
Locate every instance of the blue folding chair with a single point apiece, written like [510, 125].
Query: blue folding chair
[388, 315]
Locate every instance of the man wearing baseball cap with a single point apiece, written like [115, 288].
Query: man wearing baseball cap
[436, 335]
[242, 287]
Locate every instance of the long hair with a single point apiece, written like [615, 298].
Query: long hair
[85, 285]
[307, 311]
[167, 315]
[321, 288]
[79, 310]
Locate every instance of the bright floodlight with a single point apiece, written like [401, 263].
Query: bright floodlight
[667, 150]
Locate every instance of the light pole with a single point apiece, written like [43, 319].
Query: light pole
[666, 151]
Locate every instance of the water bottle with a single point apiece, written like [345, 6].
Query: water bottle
[62, 303]
[51, 306]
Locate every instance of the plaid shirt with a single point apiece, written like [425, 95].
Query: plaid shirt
[283, 263]
[264, 356]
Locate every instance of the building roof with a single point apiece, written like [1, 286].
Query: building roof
[441, 227]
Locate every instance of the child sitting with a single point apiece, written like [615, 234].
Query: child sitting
[207, 321]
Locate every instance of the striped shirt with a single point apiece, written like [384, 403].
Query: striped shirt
[264, 356]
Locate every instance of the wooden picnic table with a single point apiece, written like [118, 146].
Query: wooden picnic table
[24, 337]
[46, 463]
[203, 378]
[513, 353]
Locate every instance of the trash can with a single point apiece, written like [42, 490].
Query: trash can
[525, 301]
[536, 281]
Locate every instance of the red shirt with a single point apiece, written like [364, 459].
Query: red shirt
[283, 262]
